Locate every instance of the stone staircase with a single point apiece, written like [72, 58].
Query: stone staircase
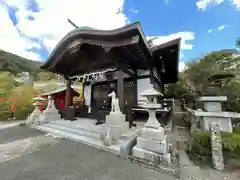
[84, 131]
[180, 127]
[60, 129]
[86, 135]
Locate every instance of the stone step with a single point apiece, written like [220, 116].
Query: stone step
[77, 131]
[72, 125]
[78, 138]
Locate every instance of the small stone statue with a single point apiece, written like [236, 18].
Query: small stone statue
[107, 140]
[115, 103]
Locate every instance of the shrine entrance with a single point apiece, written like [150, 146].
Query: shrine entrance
[100, 102]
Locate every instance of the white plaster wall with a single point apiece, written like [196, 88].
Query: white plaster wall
[143, 85]
[225, 123]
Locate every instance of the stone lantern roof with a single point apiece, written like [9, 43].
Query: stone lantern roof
[151, 92]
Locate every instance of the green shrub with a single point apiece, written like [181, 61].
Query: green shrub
[201, 144]
[23, 96]
[236, 129]
[5, 110]
[24, 101]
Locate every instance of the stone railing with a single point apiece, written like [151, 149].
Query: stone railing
[192, 119]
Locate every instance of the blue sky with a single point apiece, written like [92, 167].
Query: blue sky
[161, 18]
[36, 26]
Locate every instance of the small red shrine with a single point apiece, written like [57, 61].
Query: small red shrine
[59, 96]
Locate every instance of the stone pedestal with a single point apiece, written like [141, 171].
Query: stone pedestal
[49, 115]
[34, 118]
[115, 125]
[152, 143]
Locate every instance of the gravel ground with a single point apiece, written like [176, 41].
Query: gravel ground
[68, 160]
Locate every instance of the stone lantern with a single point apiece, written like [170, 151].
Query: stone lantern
[152, 142]
[38, 103]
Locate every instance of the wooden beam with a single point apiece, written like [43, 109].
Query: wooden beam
[120, 89]
[72, 23]
[120, 63]
[126, 70]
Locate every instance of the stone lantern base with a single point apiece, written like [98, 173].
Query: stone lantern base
[152, 146]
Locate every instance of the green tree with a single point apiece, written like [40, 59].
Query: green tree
[6, 84]
[218, 67]
[238, 43]
[6, 87]
[24, 99]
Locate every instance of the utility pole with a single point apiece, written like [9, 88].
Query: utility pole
[72, 23]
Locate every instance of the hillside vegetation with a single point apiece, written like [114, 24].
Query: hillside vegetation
[16, 64]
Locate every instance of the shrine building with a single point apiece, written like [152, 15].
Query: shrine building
[120, 60]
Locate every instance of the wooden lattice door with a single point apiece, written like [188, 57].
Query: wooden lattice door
[130, 92]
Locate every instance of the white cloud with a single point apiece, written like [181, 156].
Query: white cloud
[50, 23]
[203, 4]
[185, 37]
[12, 41]
[185, 45]
[209, 31]
[181, 66]
[50, 44]
[236, 3]
[221, 27]
[133, 10]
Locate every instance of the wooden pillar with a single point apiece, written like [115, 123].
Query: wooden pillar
[68, 93]
[120, 89]
[135, 88]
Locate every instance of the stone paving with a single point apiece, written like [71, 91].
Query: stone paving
[27, 154]
[46, 158]
[17, 133]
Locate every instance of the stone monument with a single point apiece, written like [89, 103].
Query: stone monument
[50, 113]
[213, 103]
[213, 113]
[152, 143]
[115, 124]
[216, 144]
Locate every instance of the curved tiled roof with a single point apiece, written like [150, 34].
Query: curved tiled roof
[86, 32]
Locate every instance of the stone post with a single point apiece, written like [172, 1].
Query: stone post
[217, 151]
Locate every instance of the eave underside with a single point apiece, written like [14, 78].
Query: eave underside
[166, 59]
[85, 55]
